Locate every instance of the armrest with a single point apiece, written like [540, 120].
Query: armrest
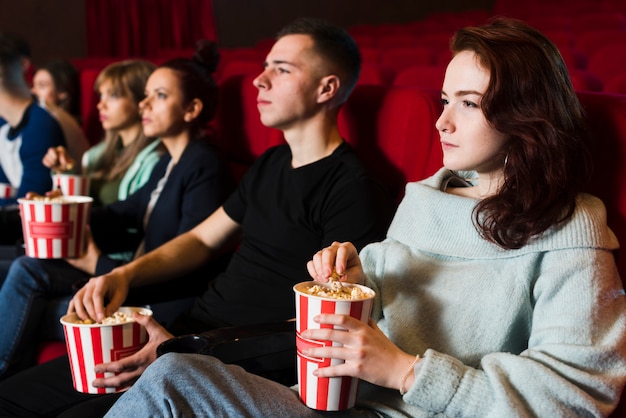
[265, 349]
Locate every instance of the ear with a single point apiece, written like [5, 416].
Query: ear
[192, 110]
[62, 96]
[329, 87]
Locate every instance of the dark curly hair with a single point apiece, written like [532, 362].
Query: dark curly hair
[530, 99]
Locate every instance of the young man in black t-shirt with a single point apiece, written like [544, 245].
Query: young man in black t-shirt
[296, 199]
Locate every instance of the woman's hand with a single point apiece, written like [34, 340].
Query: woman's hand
[88, 261]
[88, 302]
[128, 369]
[341, 258]
[368, 353]
[58, 159]
[51, 194]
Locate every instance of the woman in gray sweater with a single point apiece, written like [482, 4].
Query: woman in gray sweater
[497, 291]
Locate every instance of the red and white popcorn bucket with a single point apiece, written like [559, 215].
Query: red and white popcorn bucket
[324, 393]
[71, 184]
[55, 227]
[7, 191]
[92, 344]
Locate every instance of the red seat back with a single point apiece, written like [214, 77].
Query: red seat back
[392, 129]
[241, 135]
[606, 116]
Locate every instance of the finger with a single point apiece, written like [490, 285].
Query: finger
[121, 380]
[339, 320]
[344, 369]
[86, 300]
[329, 255]
[318, 265]
[341, 260]
[78, 306]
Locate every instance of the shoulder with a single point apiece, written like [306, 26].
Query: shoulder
[40, 116]
[202, 153]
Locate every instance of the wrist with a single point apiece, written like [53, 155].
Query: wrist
[407, 379]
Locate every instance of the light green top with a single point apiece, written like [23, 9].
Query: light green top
[538, 331]
[136, 175]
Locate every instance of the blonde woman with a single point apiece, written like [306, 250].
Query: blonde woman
[123, 161]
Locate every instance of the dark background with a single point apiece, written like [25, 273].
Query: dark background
[56, 28]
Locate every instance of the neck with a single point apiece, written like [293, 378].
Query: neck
[311, 142]
[176, 145]
[129, 134]
[12, 107]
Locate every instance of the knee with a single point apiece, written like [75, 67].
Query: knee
[22, 268]
[166, 365]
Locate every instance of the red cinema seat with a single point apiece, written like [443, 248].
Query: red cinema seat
[616, 84]
[424, 76]
[394, 60]
[252, 67]
[392, 129]
[608, 61]
[606, 118]
[583, 80]
[88, 102]
[590, 41]
[598, 20]
[241, 135]
[371, 74]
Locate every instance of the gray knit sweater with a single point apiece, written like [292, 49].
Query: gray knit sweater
[539, 331]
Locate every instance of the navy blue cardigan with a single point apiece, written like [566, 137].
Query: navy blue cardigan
[197, 186]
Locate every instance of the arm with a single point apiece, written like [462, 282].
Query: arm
[58, 159]
[177, 257]
[366, 350]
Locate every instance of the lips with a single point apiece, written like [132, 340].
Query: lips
[447, 145]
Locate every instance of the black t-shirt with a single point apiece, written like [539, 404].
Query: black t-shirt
[287, 215]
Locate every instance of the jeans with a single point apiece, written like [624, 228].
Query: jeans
[195, 385]
[29, 287]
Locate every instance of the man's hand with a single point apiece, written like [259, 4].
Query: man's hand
[128, 369]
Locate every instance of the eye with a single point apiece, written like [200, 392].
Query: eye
[282, 70]
[468, 103]
[444, 101]
[161, 95]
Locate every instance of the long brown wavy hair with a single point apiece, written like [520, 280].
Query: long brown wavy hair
[531, 100]
[128, 79]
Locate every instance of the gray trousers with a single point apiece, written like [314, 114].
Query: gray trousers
[194, 385]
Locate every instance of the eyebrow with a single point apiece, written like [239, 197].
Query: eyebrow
[464, 93]
[279, 62]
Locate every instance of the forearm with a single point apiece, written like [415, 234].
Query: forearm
[185, 253]
[176, 258]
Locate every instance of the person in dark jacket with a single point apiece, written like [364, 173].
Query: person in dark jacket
[187, 184]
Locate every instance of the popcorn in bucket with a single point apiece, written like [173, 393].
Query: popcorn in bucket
[324, 393]
[54, 227]
[89, 344]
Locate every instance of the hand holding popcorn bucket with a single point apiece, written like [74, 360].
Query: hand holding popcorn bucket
[89, 344]
[326, 393]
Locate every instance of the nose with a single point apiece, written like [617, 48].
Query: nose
[142, 104]
[261, 80]
[444, 122]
